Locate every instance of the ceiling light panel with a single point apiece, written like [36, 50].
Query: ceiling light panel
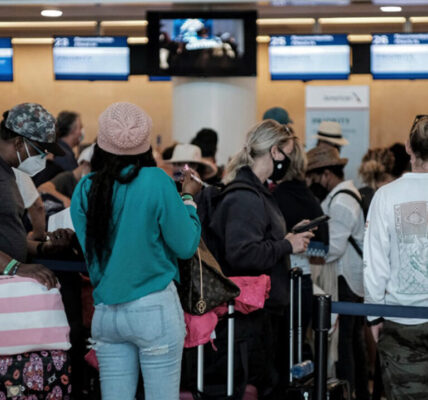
[363, 20]
[391, 9]
[51, 13]
[400, 2]
[310, 2]
[285, 21]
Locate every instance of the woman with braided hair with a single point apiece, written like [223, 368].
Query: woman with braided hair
[132, 226]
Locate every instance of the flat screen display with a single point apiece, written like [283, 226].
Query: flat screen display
[202, 43]
[91, 58]
[308, 57]
[6, 60]
[399, 56]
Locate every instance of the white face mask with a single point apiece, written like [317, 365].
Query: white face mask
[33, 164]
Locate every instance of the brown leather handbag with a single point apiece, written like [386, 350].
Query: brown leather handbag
[203, 285]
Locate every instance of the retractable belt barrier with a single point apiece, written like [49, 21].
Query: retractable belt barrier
[379, 310]
[321, 323]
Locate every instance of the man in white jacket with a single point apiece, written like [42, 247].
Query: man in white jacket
[396, 270]
[344, 260]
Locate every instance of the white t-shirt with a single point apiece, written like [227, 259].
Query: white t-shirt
[26, 187]
[396, 245]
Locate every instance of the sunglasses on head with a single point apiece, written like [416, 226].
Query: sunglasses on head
[417, 119]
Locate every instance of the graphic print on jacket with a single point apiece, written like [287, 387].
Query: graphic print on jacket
[411, 225]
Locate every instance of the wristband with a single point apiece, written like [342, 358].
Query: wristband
[9, 266]
[187, 196]
[15, 268]
[190, 203]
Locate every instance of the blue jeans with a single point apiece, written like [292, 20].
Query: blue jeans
[149, 331]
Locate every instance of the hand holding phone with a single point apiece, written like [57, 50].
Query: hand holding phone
[311, 224]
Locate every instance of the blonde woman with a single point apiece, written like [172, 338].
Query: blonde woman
[252, 240]
[375, 171]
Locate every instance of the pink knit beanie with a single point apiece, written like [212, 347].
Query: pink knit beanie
[124, 129]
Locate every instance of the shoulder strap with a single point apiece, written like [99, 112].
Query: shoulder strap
[350, 193]
[351, 239]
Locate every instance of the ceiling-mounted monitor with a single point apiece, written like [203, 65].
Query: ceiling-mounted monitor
[91, 58]
[399, 56]
[309, 57]
[6, 59]
[202, 43]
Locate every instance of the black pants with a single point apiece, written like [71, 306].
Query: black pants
[352, 363]
[71, 297]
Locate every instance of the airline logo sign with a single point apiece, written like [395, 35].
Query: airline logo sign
[338, 97]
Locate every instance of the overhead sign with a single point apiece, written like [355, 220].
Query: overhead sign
[308, 57]
[337, 97]
[400, 56]
[349, 106]
[6, 59]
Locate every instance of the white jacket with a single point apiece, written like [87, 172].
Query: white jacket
[396, 245]
[346, 219]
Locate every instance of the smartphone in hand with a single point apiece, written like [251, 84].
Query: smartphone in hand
[313, 223]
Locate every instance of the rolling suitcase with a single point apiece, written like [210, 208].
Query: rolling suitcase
[250, 391]
[301, 381]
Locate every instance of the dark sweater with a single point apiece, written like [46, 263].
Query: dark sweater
[297, 202]
[250, 233]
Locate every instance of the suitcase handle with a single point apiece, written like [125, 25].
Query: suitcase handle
[230, 353]
[295, 273]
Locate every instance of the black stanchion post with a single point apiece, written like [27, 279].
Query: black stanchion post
[295, 274]
[321, 323]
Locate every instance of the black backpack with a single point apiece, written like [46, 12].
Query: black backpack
[365, 210]
[208, 200]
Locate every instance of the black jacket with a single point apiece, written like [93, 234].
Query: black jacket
[297, 202]
[250, 232]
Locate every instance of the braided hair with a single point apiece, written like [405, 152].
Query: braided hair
[108, 169]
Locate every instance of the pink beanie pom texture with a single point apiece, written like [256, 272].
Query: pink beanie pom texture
[124, 129]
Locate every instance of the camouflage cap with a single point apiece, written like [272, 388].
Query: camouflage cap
[34, 122]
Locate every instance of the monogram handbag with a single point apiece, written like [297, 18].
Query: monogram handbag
[203, 285]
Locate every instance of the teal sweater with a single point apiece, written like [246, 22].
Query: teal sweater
[151, 229]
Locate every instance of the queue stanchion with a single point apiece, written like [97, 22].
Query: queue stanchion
[321, 323]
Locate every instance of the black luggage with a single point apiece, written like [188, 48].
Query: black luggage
[303, 388]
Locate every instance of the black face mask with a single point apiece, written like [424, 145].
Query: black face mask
[280, 167]
[319, 191]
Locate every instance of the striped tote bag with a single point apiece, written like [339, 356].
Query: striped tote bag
[32, 317]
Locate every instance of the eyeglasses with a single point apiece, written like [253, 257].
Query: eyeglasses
[418, 118]
[42, 153]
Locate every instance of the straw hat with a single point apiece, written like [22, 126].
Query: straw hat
[323, 156]
[331, 131]
[189, 153]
